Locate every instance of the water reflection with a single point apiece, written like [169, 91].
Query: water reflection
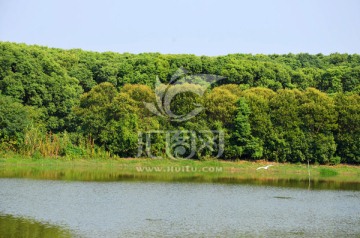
[11, 226]
[112, 174]
[317, 184]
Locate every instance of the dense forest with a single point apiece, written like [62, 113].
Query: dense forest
[75, 103]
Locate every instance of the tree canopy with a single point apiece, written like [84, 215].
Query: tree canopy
[286, 108]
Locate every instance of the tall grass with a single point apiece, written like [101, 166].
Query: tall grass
[38, 144]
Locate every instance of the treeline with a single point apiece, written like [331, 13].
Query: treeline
[287, 108]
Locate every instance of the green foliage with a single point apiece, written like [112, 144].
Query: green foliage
[347, 135]
[15, 119]
[110, 117]
[74, 103]
[120, 136]
[288, 138]
[94, 109]
[260, 118]
[242, 143]
[35, 78]
[319, 117]
[220, 104]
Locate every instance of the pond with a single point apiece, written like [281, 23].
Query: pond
[164, 209]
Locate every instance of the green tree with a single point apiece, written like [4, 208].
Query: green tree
[289, 144]
[15, 119]
[319, 117]
[94, 110]
[242, 144]
[260, 117]
[348, 132]
[220, 105]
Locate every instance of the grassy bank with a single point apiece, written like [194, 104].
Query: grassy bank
[291, 175]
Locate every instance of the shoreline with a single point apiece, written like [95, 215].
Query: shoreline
[163, 170]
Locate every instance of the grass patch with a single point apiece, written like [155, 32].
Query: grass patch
[326, 172]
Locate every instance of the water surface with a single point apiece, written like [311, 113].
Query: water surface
[156, 209]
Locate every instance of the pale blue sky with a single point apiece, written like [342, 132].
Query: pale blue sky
[188, 26]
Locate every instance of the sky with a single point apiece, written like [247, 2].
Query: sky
[201, 27]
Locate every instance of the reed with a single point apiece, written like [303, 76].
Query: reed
[49, 145]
